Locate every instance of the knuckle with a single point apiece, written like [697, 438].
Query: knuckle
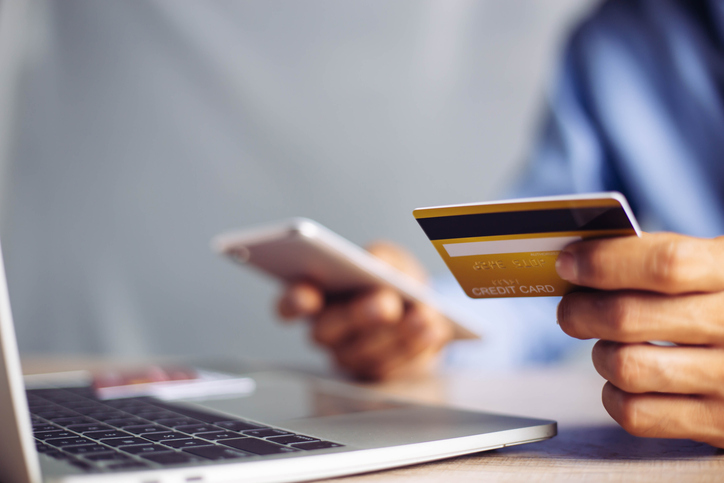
[712, 421]
[621, 314]
[423, 326]
[634, 417]
[627, 368]
[668, 263]
[369, 353]
[565, 314]
[372, 347]
[594, 264]
[383, 306]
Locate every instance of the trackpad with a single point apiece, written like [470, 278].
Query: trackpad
[282, 396]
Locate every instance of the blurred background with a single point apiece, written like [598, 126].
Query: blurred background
[133, 132]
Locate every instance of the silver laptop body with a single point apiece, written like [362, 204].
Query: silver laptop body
[349, 430]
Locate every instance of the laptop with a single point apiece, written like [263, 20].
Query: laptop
[286, 426]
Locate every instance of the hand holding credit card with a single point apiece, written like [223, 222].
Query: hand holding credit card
[509, 248]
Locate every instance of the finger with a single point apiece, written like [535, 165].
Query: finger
[381, 306]
[662, 262]
[367, 350]
[300, 300]
[382, 352]
[666, 415]
[422, 327]
[331, 328]
[340, 321]
[399, 258]
[642, 368]
[629, 316]
[421, 335]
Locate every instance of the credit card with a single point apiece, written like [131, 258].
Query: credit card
[509, 248]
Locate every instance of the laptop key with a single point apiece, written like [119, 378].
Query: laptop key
[82, 428]
[173, 422]
[110, 456]
[54, 434]
[55, 413]
[202, 416]
[71, 420]
[87, 449]
[216, 453]
[37, 403]
[106, 434]
[186, 443]
[81, 464]
[145, 428]
[59, 443]
[120, 423]
[43, 448]
[42, 427]
[124, 441]
[156, 414]
[169, 458]
[166, 436]
[127, 402]
[256, 446]
[266, 433]
[145, 449]
[58, 455]
[83, 406]
[295, 438]
[239, 425]
[196, 428]
[106, 416]
[217, 435]
[317, 445]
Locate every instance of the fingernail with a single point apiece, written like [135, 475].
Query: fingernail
[566, 267]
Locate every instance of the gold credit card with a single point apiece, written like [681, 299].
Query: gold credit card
[509, 248]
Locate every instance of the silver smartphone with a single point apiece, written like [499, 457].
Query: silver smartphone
[302, 249]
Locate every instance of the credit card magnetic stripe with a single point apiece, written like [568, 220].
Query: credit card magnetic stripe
[528, 221]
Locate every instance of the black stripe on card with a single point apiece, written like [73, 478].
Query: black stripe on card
[522, 222]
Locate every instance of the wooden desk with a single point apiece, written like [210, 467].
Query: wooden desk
[589, 446]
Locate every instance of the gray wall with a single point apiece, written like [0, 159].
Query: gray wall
[144, 128]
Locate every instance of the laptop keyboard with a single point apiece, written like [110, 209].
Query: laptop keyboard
[142, 432]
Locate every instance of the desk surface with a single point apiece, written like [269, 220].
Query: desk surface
[589, 445]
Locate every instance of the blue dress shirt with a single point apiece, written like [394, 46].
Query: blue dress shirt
[637, 108]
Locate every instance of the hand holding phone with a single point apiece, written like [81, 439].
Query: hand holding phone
[300, 249]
